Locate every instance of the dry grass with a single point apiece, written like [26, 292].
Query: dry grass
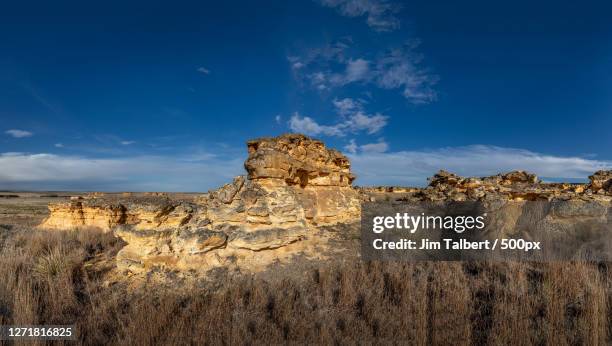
[45, 280]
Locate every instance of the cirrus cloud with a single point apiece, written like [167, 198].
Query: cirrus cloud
[329, 67]
[15, 133]
[380, 14]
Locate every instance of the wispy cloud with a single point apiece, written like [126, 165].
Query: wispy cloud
[42, 100]
[379, 147]
[203, 70]
[347, 106]
[356, 70]
[412, 168]
[18, 133]
[352, 119]
[380, 14]
[309, 126]
[127, 142]
[330, 67]
[400, 68]
[58, 145]
[351, 147]
[138, 173]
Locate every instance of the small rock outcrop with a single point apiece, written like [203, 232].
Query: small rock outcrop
[601, 181]
[515, 186]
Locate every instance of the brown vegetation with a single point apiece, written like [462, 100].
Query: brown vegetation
[53, 278]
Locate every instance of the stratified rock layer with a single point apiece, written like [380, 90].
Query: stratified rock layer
[294, 184]
[512, 186]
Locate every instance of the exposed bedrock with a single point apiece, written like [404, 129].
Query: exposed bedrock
[294, 185]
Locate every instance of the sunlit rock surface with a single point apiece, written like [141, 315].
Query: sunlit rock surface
[293, 185]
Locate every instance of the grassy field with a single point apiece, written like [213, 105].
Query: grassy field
[61, 278]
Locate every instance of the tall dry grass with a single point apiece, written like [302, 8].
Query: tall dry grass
[45, 280]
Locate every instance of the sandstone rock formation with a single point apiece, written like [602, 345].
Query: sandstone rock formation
[514, 186]
[294, 184]
[601, 181]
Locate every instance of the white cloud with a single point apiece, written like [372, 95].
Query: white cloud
[412, 168]
[379, 147]
[278, 119]
[203, 70]
[400, 68]
[352, 123]
[58, 145]
[127, 142]
[357, 70]
[380, 13]
[347, 106]
[328, 67]
[369, 123]
[18, 133]
[310, 127]
[139, 173]
[351, 147]
[355, 117]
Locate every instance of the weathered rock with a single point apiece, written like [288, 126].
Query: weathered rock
[518, 177]
[199, 241]
[227, 192]
[601, 180]
[84, 213]
[297, 160]
[266, 238]
[294, 184]
[107, 213]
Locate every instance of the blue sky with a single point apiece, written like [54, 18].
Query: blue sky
[162, 96]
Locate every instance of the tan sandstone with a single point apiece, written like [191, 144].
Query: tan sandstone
[293, 185]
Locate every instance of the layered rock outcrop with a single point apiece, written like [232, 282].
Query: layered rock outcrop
[293, 185]
[571, 221]
[512, 186]
[601, 182]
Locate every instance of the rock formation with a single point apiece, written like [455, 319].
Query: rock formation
[601, 182]
[294, 184]
[512, 186]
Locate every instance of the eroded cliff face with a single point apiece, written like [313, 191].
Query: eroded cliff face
[294, 185]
